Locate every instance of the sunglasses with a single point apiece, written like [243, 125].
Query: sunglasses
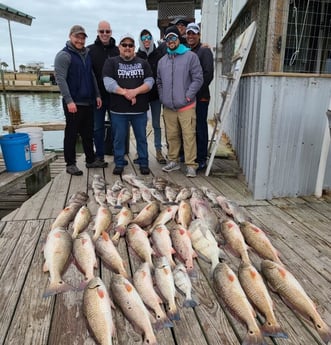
[146, 38]
[104, 31]
[171, 39]
[125, 45]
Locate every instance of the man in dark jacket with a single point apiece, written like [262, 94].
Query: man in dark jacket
[103, 47]
[148, 51]
[75, 78]
[203, 96]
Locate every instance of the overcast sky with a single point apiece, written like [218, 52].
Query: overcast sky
[50, 29]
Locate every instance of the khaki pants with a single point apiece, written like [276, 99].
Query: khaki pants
[180, 126]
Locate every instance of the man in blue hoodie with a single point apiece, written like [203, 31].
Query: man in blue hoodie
[179, 78]
[79, 90]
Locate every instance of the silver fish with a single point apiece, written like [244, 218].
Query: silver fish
[124, 196]
[111, 197]
[136, 195]
[160, 183]
[117, 186]
[183, 283]
[170, 193]
[158, 195]
[210, 194]
[185, 193]
[202, 210]
[134, 180]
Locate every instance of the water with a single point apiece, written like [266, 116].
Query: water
[35, 107]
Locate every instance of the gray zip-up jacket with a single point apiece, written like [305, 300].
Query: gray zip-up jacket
[179, 78]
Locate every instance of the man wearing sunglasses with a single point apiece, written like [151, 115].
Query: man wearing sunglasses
[148, 51]
[103, 47]
[129, 79]
[179, 78]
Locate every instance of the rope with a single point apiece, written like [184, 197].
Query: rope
[298, 43]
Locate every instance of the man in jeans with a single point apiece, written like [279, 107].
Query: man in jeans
[79, 90]
[179, 78]
[103, 47]
[129, 79]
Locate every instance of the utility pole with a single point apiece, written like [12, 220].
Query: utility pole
[12, 48]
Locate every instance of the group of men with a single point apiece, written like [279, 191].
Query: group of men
[104, 77]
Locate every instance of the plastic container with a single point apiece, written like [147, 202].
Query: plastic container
[16, 151]
[36, 142]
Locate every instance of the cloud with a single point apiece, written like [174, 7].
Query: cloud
[49, 30]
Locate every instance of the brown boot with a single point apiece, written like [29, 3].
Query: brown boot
[160, 158]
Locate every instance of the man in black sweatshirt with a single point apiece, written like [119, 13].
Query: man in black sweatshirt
[104, 46]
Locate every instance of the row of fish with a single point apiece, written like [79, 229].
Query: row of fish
[193, 216]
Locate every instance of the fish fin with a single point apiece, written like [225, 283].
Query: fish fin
[273, 330]
[190, 303]
[58, 287]
[173, 313]
[253, 338]
[83, 284]
[45, 267]
[162, 322]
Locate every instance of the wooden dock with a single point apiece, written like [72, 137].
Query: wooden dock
[299, 228]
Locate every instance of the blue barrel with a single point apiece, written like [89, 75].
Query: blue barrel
[16, 151]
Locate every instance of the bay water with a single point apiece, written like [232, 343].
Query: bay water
[34, 107]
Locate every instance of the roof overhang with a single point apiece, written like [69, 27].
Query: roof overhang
[11, 14]
[153, 5]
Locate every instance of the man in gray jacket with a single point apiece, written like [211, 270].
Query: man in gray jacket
[179, 78]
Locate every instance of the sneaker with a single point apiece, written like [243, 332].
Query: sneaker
[160, 158]
[190, 172]
[118, 170]
[96, 164]
[144, 170]
[102, 160]
[73, 170]
[171, 166]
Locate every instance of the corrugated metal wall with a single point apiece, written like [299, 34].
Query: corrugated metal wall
[276, 128]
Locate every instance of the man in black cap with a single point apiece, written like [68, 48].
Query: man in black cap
[79, 90]
[179, 78]
[181, 23]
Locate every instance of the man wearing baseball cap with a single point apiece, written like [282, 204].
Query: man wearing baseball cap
[179, 78]
[79, 90]
[203, 96]
[129, 79]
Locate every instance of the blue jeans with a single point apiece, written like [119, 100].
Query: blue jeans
[202, 131]
[120, 129]
[99, 130]
[156, 114]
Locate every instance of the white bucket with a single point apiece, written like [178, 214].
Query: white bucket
[36, 142]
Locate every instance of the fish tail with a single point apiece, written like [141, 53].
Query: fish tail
[121, 229]
[162, 322]
[173, 313]
[324, 331]
[57, 287]
[253, 338]
[190, 303]
[273, 330]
